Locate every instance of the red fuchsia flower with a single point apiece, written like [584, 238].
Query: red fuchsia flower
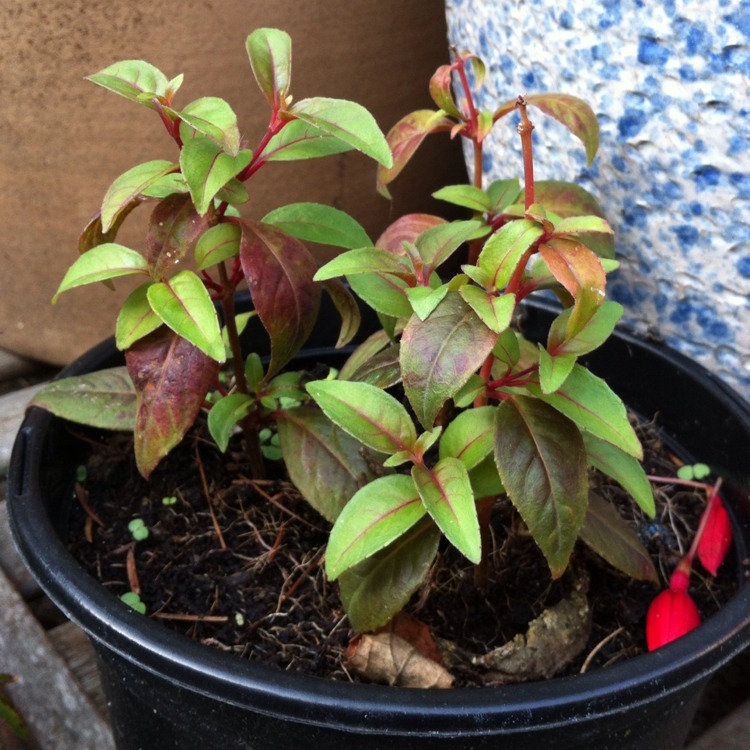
[673, 613]
[716, 539]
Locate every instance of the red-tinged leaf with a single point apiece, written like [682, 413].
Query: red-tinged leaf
[405, 137]
[133, 79]
[580, 272]
[348, 121]
[382, 369]
[567, 199]
[380, 586]
[174, 228]
[446, 492]
[542, 463]
[103, 262]
[605, 531]
[583, 225]
[503, 251]
[93, 234]
[270, 53]
[716, 539]
[470, 436]
[438, 243]
[104, 399]
[671, 615]
[406, 229]
[129, 186]
[373, 344]
[347, 307]
[441, 91]
[378, 514]
[279, 271]
[299, 140]
[366, 412]
[439, 355]
[171, 379]
[325, 463]
[575, 114]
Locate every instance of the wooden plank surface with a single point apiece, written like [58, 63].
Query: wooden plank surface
[59, 713]
[12, 408]
[732, 733]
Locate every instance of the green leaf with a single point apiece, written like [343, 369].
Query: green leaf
[8, 713]
[183, 303]
[542, 463]
[326, 464]
[347, 307]
[214, 118]
[133, 79]
[605, 531]
[594, 407]
[623, 468]
[445, 490]
[467, 196]
[485, 480]
[594, 332]
[377, 515]
[216, 244]
[347, 121]
[254, 371]
[171, 379]
[507, 350]
[270, 53]
[367, 413]
[438, 243]
[279, 271]
[225, 414]
[495, 312]
[233, 192]
[315, 222]
[575, 114]
[424, 300]
[172, 182]
[107, 261]
[299, 140]
[503, 251]
[364, 260]
[104, 399]
[583, 225]
[207, 169]
[129, 186]
[385, 293]
[554, 369]
[377, 589]
[470, 437]
[439, 355]
[503, 193]
[136, 318]
[404, 138]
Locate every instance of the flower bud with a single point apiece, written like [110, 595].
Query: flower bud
[717, 537]
[672, 614]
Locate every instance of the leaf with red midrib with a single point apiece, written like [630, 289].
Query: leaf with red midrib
[279, 271]
[171, 379]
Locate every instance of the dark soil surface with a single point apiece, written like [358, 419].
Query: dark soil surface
[237, 564]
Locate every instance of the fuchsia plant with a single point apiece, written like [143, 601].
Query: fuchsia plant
[432, 421]
[673, 613]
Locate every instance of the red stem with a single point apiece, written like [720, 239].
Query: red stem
[525, 129]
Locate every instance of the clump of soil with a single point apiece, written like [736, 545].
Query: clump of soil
[237, 564]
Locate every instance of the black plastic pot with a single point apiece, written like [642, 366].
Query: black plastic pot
[168, 692]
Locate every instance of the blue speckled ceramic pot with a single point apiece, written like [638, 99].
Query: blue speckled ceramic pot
[669, 82]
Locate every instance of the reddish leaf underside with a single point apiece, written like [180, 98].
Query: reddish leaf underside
[279, 271]
[171, 378]
[174, 228]
[542, 463]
